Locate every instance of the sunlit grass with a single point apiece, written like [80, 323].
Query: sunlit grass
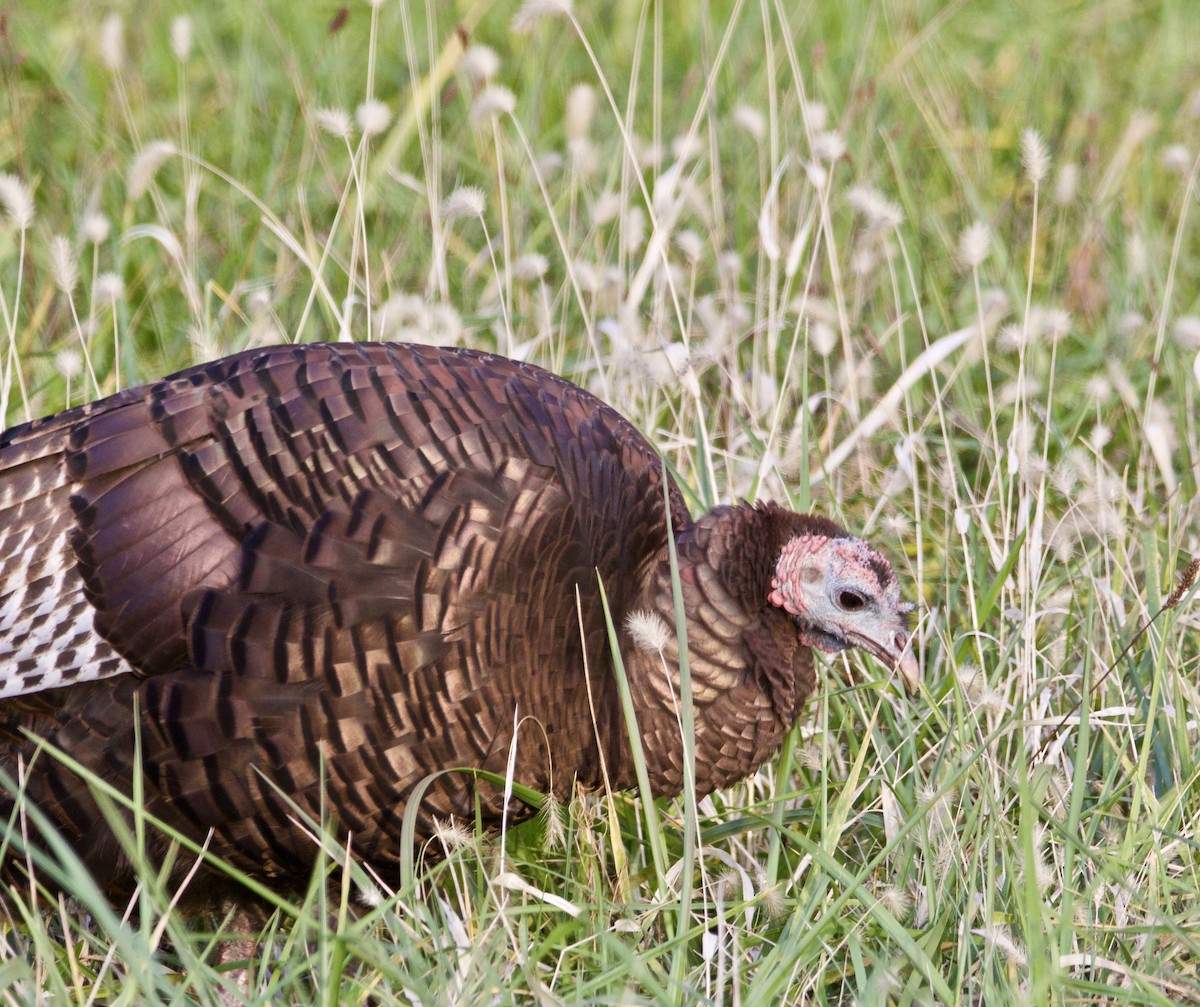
[815, 253]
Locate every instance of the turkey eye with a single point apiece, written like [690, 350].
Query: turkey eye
[851, 601]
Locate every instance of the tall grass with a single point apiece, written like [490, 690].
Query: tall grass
[930, 269]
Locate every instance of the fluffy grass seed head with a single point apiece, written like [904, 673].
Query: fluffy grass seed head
[494, 100]
[828, 145]
[816, 115]
[690, 245]
[334, 121]
[581, 109]
[373, 117]
[408, 318]
[1066, 184]
[974, 244]
[822, 337]
[687, 147]
[878, 212]
[770, 895]
[730, 885]
[1054, 323]
[480, 63]
[145, 166]
[585, 159]
[1035, 158]
[1000, 938]
[648, 630]
[181, 37]
[773, 902]
[1137, 255]
[1011, 337]
[553, 823]
[750, 120]
[17, 201]
[1186, 332]
[68, 363]
[1042, 871]
[1098, 388]
[533, 11]
[95, 228]
[62, 264]
[895, 900]
[634, 225]
[1100, 437]
[1130, 322]
[444, 325]
[1057, 796]
[369, 895]
[810, 756]
[109, 288]
[946, 857]
[451, 833]
[111, 40]
[1176, 158]
[465, 201]
[530, 266]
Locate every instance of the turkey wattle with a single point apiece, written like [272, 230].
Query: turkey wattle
[327, 571]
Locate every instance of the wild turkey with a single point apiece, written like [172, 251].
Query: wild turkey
[362, 561]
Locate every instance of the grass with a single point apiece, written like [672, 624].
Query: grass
[749, 227]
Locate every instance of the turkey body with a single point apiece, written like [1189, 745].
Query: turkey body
[312, 576]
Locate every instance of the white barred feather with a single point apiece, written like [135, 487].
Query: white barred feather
[47, 632]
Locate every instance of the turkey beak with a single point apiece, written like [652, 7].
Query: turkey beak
[897, 654]
[910, 671]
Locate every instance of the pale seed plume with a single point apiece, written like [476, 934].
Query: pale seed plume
[1177, 158]
[750, 120]
[1035, 158]
[581, 108]
[146, 165]
[480, 63]
[648, 630]
[62, 264]
[334, 121]
[109, 288]
[17, 201]
[95, 228]
[531, 266]
[451, 833]
[68, 363]
[465, 201]
[112, 42]
[974, 245]
[828, 145]
[877, 210]
[1066, 184]
[534, 11]
[494, 100]
[373, 117]
[181, 37]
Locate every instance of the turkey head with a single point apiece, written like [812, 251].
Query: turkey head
[762, 586]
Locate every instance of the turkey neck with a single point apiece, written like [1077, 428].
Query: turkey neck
[749, 673]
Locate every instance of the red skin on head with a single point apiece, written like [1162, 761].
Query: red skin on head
[807, 562]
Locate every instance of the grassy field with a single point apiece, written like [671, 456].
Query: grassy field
[930, 268]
